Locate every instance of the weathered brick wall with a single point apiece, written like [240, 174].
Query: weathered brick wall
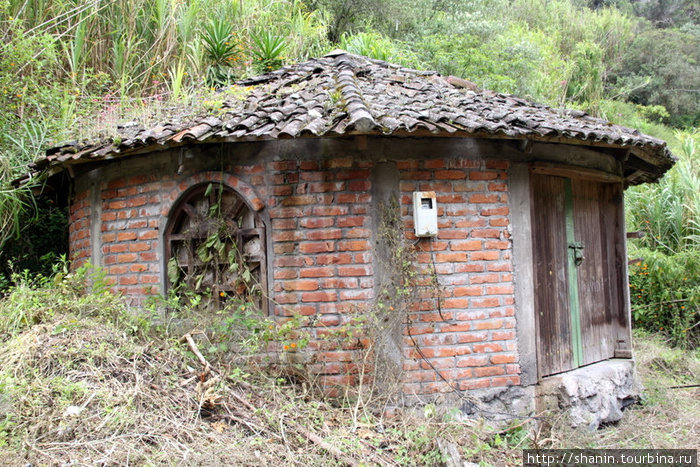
[320, 215]
[130, 209]
[79, 238]
[470, 338]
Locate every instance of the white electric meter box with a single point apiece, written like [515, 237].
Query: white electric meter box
[425, 213]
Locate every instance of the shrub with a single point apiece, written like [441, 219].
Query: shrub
[665, 294]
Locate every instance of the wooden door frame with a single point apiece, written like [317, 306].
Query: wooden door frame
[618, 279]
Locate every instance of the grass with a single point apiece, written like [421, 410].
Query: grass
[85, 381]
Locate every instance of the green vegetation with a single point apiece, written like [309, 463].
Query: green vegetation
[665, 279]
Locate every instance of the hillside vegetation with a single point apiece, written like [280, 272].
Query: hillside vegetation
[72, 69]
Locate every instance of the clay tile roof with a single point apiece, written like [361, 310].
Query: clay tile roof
[346, 94]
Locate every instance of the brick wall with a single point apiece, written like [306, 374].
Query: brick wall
[320, 215]
[131, 208]
[470, 338]
[79, 229]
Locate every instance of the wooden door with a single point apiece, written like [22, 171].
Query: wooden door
[579, 252]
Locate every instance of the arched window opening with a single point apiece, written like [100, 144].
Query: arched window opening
[215, 249]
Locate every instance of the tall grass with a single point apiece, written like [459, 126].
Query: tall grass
[665, 282]
[669, 212]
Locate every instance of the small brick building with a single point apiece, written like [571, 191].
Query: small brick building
[525, 277]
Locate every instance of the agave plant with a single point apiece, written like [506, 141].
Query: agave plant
[267, 49]
[223, 49]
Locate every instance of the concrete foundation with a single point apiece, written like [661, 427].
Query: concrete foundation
[592, 395]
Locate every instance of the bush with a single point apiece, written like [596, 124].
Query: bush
[665, 294]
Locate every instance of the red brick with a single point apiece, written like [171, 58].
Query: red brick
[486, 233]
[497, 187]
[489, 371]
[286, 273]
[359, 185]
[471, 384]
[323, 296]
[116, 270]
[127, 258]
[499, 359]
[148, 235]
[449, 175]
[149, 279]
[285, 224]
[323, 234]
[283, 248]
[489, 302]
[488, 347]
[137, 201]
[286, 298]
[434, 164]
[499, 289]
[506, 381]
[450, 257]
[473, 291]
[109, 237]
[114, 205]
[499, 211]
[353, 245]
[477, 198]
[451, 198]
[308, 165]
[483, 175]
[148, 256]
[119, 183]
[352, 221]
[490, 324]
[316, 247]
[299, 200]
[282, 190]
[345, 271]
[338, 258]
[316, 272]
[452, 234]
[497, 245]
[458, 327]
[300, 285]
[337, 283]
[472, 361]
[138, 267]
[128, 280]
[117, 248]
[358, 233]
[286, 212]
[503, 335]
[484, 279]
[499, 222]
[485, 255]
[469, 337]
[139, 246]
[356, 294]
[289, 261]
[330, 211]
[467, 245]
[458, 303]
